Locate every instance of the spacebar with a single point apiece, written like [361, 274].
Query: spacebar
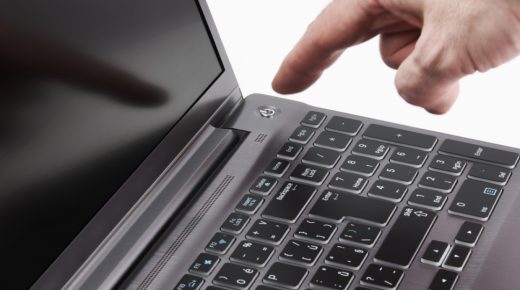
[406, 236]
[337, 206]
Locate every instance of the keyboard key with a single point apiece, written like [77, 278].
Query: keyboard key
[343, 125]
[289, 151]
[495, 174]
[332, 278]
[400, 173]
[309, 174]
[438, 181]
[492, 155]
[249, 204]
[334, 141]
[235, 223]
[468, 234]
[457, 258]
[444, 280]
[408, 156]
[189, 282]
[263, 185]
[236, 276]
[427, 198]
[252, 253]
[321, 157]
[435, 253]
[220, 243]
[263, 287]
[398, 136]
[289, 202]
[214, 288]
[315, 230]
[475, 199]
[346, 181]
[361, 234]
[285, 275]
[359, 164]
[302, 135]
[347, 256]
[268, 231]
[388, 190]
[301, 252]
[400, 249]
[370, 149]
[313, 119]
[337, 206]
[382, 277]
[447, 164]
[277, 167]
[362, 288]
[204, 264]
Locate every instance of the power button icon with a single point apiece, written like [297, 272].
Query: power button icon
[267, 111]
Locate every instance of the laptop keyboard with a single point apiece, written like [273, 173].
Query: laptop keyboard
[332, 208]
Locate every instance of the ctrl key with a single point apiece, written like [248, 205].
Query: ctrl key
[444, 280]
[236, 276]
[189, 282]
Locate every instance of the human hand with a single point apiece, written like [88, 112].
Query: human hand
[431, 44]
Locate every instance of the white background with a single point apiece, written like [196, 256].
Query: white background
[257, 34]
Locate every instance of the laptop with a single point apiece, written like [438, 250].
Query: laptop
[131, 160]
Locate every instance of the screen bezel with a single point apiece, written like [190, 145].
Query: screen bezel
[201, 113]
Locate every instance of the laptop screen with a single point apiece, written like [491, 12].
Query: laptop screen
[87, 90]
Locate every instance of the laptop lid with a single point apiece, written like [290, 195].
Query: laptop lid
[97, 98]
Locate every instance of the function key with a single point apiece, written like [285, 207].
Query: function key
[398, 136]
[332, 278]
[334, 141]
[435, 253]
[475, 199]
[289, 202]
[492, 155]
[289, 151]
[348, 182]
[427, 198]
[438, 181]
[447, 164]
[315, 230]
[235, 223]
[302, 135]
[371, 149]
[400, 173]
[252, 253]
[347, 256]
[387, 190]
[204, 264]
[285, 275]
[301, 252]
[444, 280]
[309, 174]
[313, 119]
[408, 156]
[490, 173]
[359, 164]
[382, 277]
[344, 125]
[189, 282]
[457, 258]
[361, 234]
[249, 204]
[468, 234]
[277, 167]
[236, 276]
[321, 157]
[220, 243]
[263, 185]
[268, 231]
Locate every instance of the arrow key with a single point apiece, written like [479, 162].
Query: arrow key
[468, 234]
[435, 253]
[458, 257]
[444, 280]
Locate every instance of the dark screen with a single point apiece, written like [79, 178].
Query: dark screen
[87, 90]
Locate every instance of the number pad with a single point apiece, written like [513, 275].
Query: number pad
[448, 164]
[361, 165]
[411, 157]
[438, 181]
[371, 149]
[399, 173]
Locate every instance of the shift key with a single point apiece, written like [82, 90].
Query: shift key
[406, 236]
[289, 202]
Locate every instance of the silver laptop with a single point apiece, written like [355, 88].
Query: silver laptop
[130, 160]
